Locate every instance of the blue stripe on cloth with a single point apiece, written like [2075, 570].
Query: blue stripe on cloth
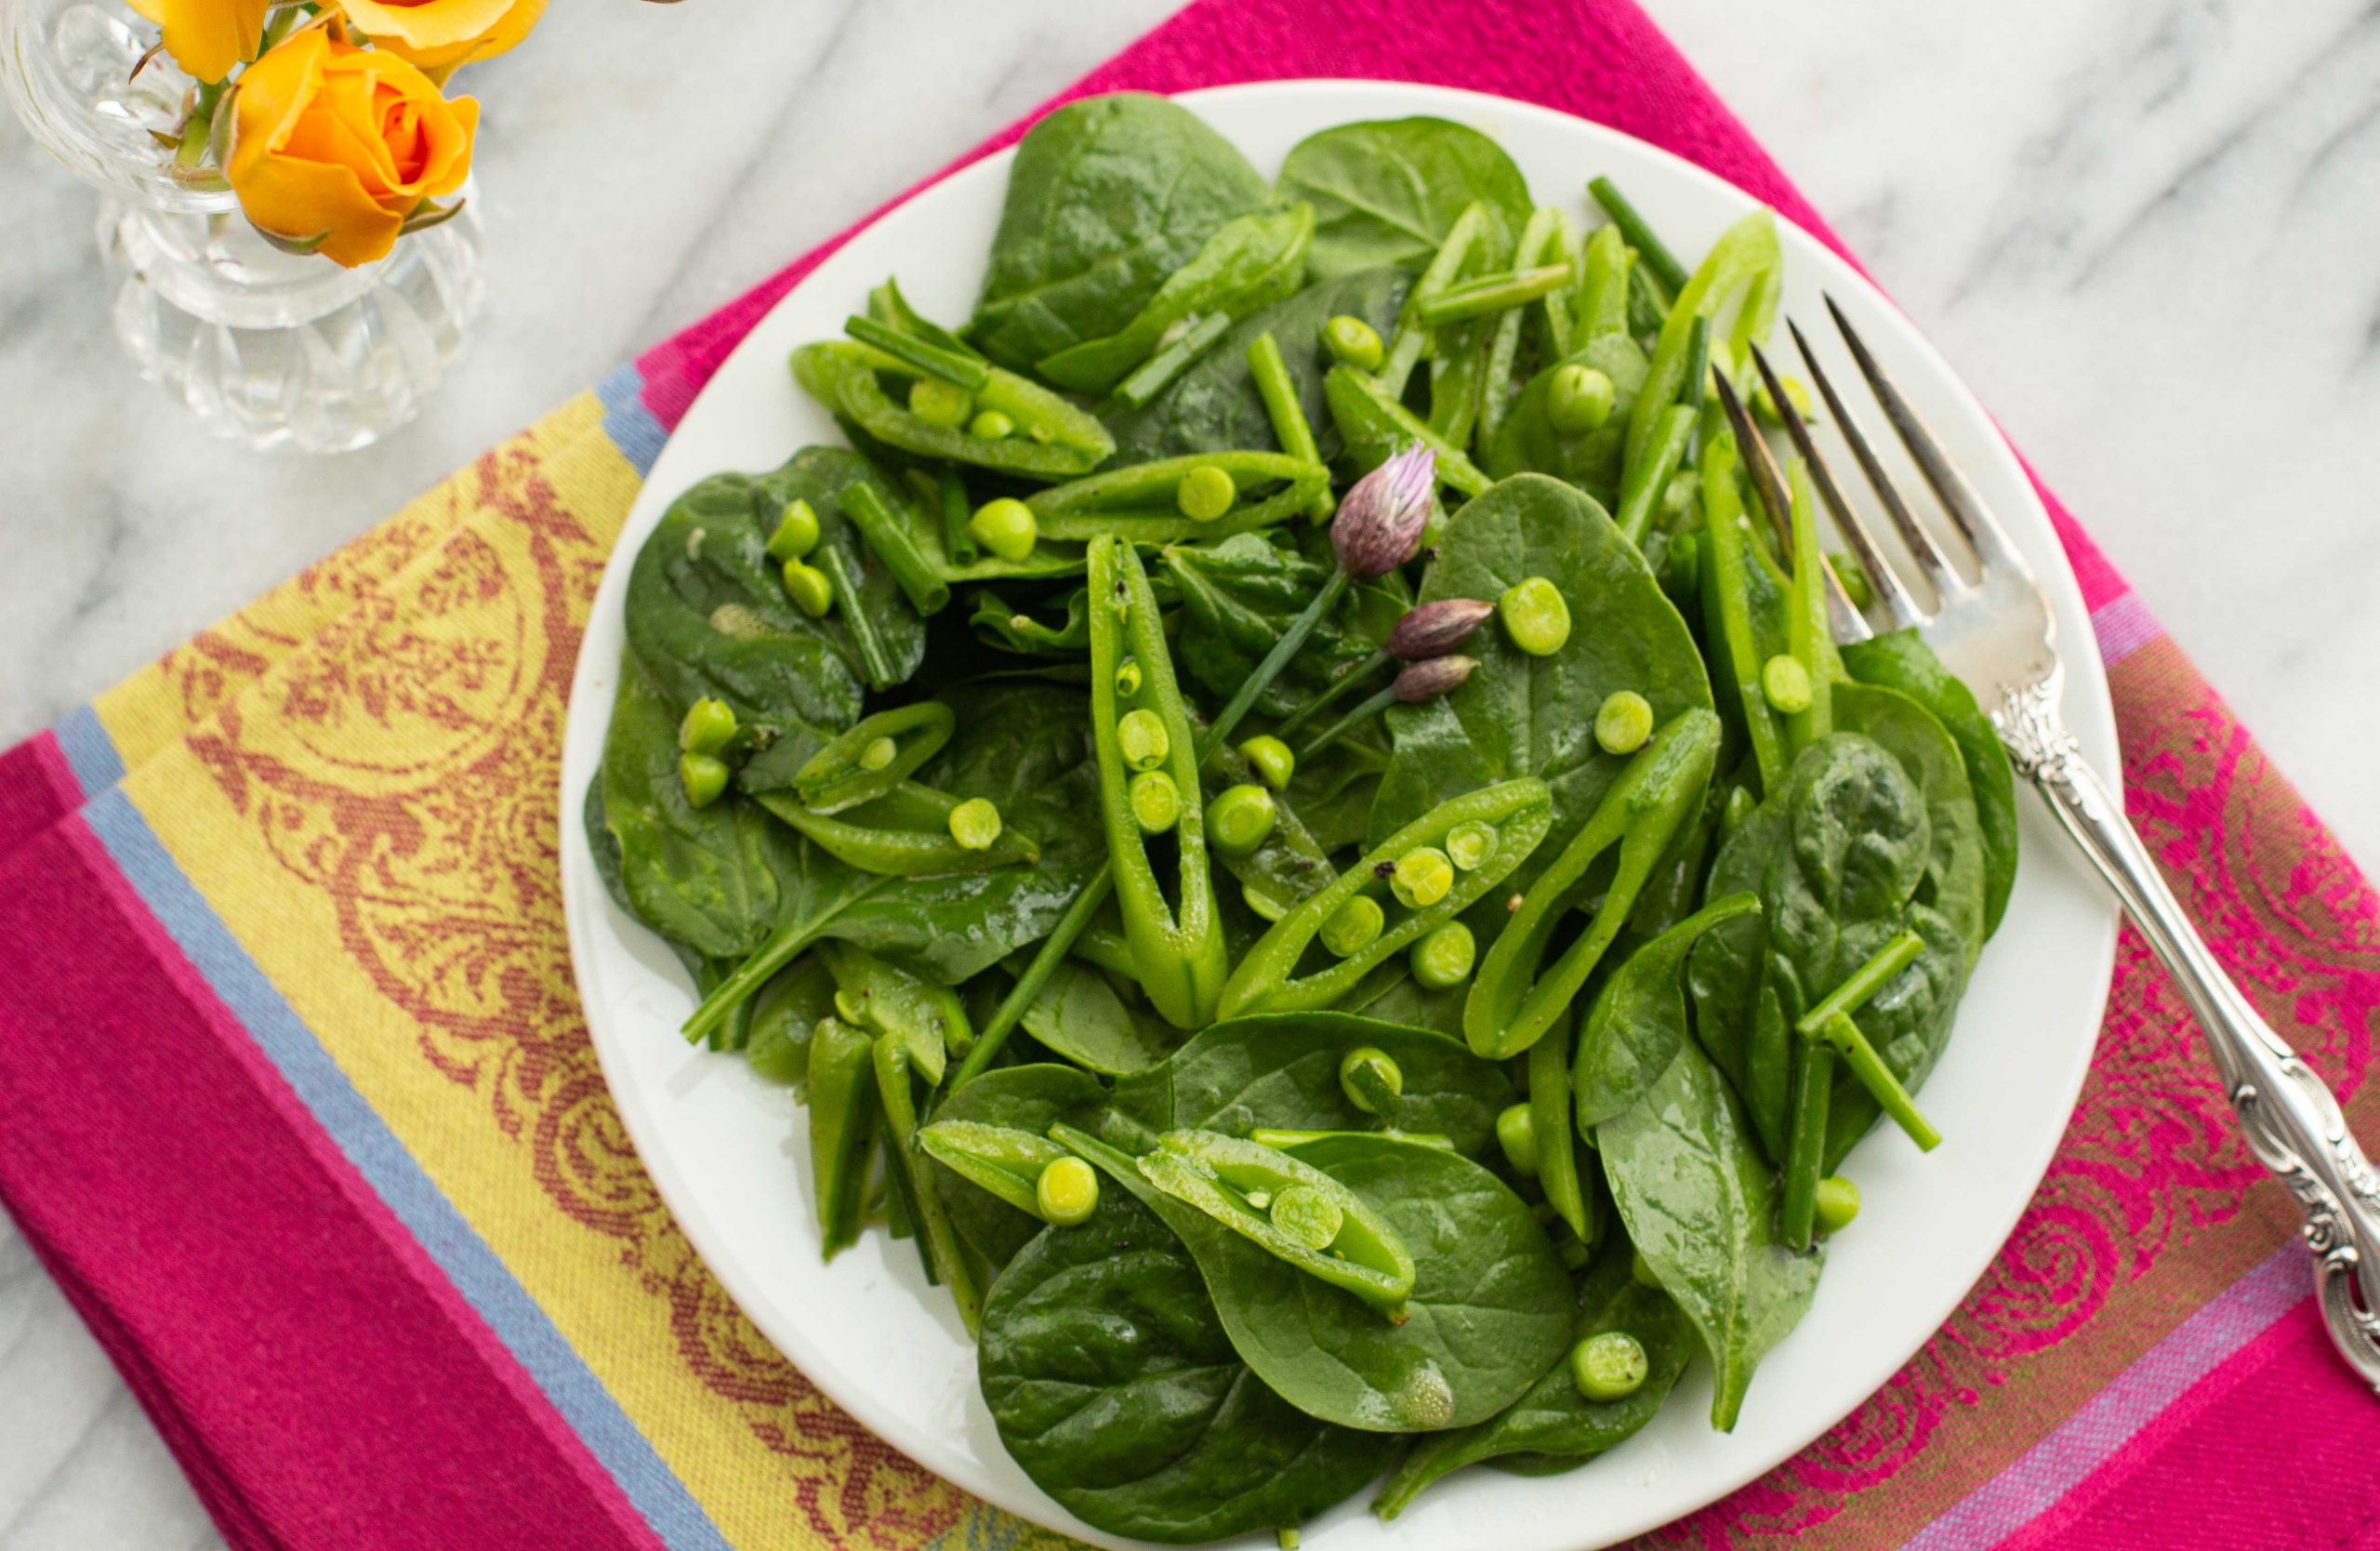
[632, 427]
[2157, 1378]
[91, 753]
[410, 1194]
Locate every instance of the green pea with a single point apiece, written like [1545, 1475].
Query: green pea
[975, 824]
[940, 404]
[1838, 1201]
[1351, 340]
[1857, 588]
[1517, 1134]
[1205, 494]
[1307, 1216]
[1623, 721]
[1354, 926]
[850, 1006]
[1275, 765]
[1534, 616]
[1423, 876]
[880, 752]
[704, 776]
[1128, 678]
[1370, 1078]
[1007, 527]
[796, 532]
[1610, 1366]
[809, 587]
[1443, 958]
[1141, 738]
[709, 726]
[1156, 802]
[1579, 400]
[1240, 817]
[1786, 684]
[1067, 1192]
[1470, 846]
[990, 425]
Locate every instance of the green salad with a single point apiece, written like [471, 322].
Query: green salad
[1297, 825]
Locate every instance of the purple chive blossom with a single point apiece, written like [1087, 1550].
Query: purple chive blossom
[1378, 525]
[1432, 677]
[1434, 630]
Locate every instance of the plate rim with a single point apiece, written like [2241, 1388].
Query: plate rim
[2086, 698]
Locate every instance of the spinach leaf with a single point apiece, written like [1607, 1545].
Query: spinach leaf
[709, 615]
[707, 878]
[1108, 196]
[1080, 1016]
[1524, 715]
[1282, 1069]
[1387, 192]
[1251, 261]
[1239, 597]
[1954, 868]
[1638, 1022]
[1836, 856]
[1554, 1420]
[1901, 661]
[1215, 406]
[1030, 1098]
[1701, 1207]
[1113, 1384]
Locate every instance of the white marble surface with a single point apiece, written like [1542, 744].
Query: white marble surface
[2149, 231]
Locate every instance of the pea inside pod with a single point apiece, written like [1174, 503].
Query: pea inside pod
[1204, 496]
[875, 755]
[904, 833]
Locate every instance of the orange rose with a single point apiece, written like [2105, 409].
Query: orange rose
[342, 143]
[440, 34]
[208, 37]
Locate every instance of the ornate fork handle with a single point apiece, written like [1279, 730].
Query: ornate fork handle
[2292, 1123]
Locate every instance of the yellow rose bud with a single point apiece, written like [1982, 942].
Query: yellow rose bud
[208, 38]
[440, 34]
[343, 143]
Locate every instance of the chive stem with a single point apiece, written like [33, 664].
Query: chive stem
[888, 534]
[1335, 692]
[1655, 253]
[1369, 708]
[1157, 373]
[875, 660]
[1493, 292]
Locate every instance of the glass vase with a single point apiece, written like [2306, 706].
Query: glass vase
[265, 347]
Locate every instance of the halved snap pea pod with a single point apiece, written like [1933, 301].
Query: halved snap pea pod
[928, 1018]
[1141, 729]
[1511, 1005]
[1004, 1160]
[1520, 811]
[1292, 1210]
[1145, 502]
[1060, 440]
[876, 754]
[904, 833]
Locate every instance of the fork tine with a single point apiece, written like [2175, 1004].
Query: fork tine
[1768, 484]
[1985, 539]
[1928, 555]
[1899, 605]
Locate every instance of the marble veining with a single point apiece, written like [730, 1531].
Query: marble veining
[2147, 231]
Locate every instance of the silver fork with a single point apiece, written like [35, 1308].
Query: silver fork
[1997, 633]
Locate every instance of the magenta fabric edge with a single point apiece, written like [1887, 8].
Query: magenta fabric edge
[2121, 1415]
[308, 1132]
[50, 760]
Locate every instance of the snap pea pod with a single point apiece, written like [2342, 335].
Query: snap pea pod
[1809, 632]
[1287, 1138]
[842, 574]
[1727, 607]
[1519, 813]
[1176, 934]
[963, 368]
[946, 1258]
[1411, 339]
[1289, 865]
[1375, 426]
[957, 544]
[842, 374]
[1603, 289]
[888, 306]
[1641, 486]
[1504, 291]
[843, 1122]
[1729, 274]
[876, 754]
[904, 833]
[887, 1000]
[1648, 304]
[1004, 1160]
[1540, 244]
[887, 533]
[1271, 373]
[1157, 373]
[1557, 1143]
[1140, 503]
[1512, 1005]
[1290, 1209]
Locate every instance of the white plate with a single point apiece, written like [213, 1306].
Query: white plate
[730, 1153]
